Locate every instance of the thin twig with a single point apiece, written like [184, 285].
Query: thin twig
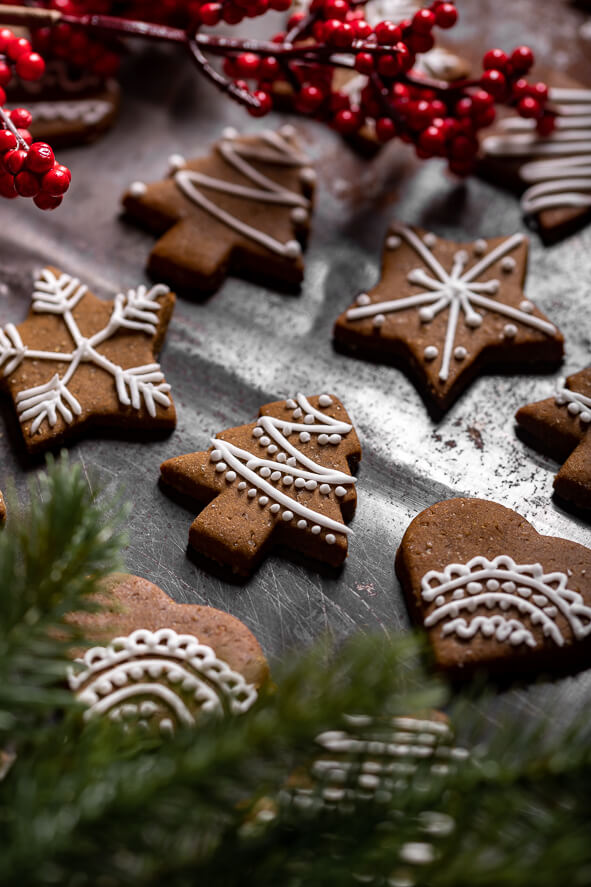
[221, 82]
[10, 125]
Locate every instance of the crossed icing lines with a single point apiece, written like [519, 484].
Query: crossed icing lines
[135, 310]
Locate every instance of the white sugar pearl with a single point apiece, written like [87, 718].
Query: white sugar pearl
[282, 457]
[138, 189]
[322, 439]
[316, 529]
[299, 216]
[274, 508]
[585, 416]
[272, 448]
[379, 320]
[290, 404]
[292, 461]
[430, 240]
[335, 439]
[574, 408]
[480, 246]
[257, 432]
[287, 480]
[297, 413]
[302, 524]
[287, 131]
[340, 492]
[494, 286]
[527, 306]
[228, 132]
[263, 500]
[292, 249]
[308, 175]
[510, 330]
[324, 400]
[176, 162]
[425, 314]
[311, 484]
[430, 352]
[276, 475]
[474, 320]
[508, 264]
[324, 489]
[287, 515]
[304, 437]
[215, 455]
[331, 539]
[252, 493]
[460, 353]
[265, 472]
[287, 430]
[308, 419]
[221, 466]
[230, 476]
[363, 299]
[242, 485]
[264, 441]
[300, 483]
[393, 241]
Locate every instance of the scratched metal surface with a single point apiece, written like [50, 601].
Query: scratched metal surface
[248, 345]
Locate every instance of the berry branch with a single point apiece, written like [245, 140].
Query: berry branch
[441, 119]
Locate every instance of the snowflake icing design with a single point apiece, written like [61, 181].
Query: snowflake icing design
[462, 589]
[460, 291]
[135, 310]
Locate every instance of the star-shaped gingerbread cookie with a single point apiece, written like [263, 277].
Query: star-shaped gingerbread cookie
[242, 209]
[78, 361]
[284, 479]
[560, 426]
[446, 312]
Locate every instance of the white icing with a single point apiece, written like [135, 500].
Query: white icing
[480, 247]
[275, 151]
[510, 330]
[137, 310]
[299, 470]
[138, 189]
[88, 111]
[431, 352]
[462, 589]
[457, 290]
[559, 171]
[577, 404]
[168, 667]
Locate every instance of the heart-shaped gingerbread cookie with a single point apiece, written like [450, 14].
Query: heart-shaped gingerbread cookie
[159, 664]
[493, 593]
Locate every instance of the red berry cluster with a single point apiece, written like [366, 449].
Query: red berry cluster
[27, 169]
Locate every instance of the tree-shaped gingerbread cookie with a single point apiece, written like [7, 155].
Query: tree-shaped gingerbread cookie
[561, 427]
[243, 209]
[79, 361]
[284, 479]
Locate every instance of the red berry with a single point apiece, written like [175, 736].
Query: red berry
[40, 158]
[25, 135]
[5, 73]
[6, 36]
[247, 64]
[423, 21]
[406, 58]
[520, 88]
[438, 108]
[269, 69]
[464, 107]
[310, 98]
[385, 129]
[7, 188]
[495, 59]
[211, 14]
[30, 66]
[13, 160]
[419, 115]
[17, 47]
[336, 9]
[522, 59]
[21, 118]
[7, 140]
[540, 92]
[495, 82]
[482, 100]
[343, 37]
[387, 33]
[56, 182]
[446, 15]
[420, 42]
[529, 107]
[432, 140]
[361, 29]
[388, 65]
[330, 29]
[364, 63]
[462, 148]
[47, 201]
[2, 96]
[546, 124]
[485, 118]
[347, 122]
[26, 184]
[265, 103]
[280, 5]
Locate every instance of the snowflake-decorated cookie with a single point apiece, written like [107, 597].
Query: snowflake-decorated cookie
[284, 479]
[79, 361]
[561, 427]
[242, 209]
[493, 593]
[158, 664]
[446, 312]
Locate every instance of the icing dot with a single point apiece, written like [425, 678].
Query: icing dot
[230, 476]
[252, 493]
[430, 352]
[439, 600]
[287, 515]
[585, 416]
[309, 419]
[460, 353]
[324, 400]
[166, 726]
[282, 457]
[474, 587]
[176, 162]
[287, 480]
[393, 241]
[331, 539]
[257, 432]
[287, 131]
[276, 475]
[221, 466]
[263, 500]
[274, 508]
[272, 449]
[242, 485]
[508, 264]
[480, 246]
[311, 484]
[322, 439]
[287, 429]
[527, 306]
[492, 584]
[228, 132]
[510, 331]
[461, 257]
[300, 483]
[290, 404]
[302, 524]
[363, 299]
[299, 215]
[138, 189]
[292, 461]
[215, 455]
[494, 286]
[308, 175]
[414, 276]
[335, 439]
[574, 408]
[340, 492]
[316, 529]
[297, 413]
[430, 240]
[561, 398]
[264, 441]
[425, 314]
[379, 320]
[292, 249]
[265, 472]
[474, 320]
[324, 489]
[304, 437]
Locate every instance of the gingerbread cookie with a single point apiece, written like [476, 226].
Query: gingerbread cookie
[493, 593]
[561, 427]
[446, 312]
[242, 209]
[553, 172]
[284, 479]
[78, 361]
[159, 663]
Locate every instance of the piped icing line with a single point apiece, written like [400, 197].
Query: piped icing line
[576, 403]
[237, 155]
[501, 583]
[136, 310]
[559, 171]
[456, 290]
[89, 111]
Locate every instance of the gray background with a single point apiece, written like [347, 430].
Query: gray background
[247, 345]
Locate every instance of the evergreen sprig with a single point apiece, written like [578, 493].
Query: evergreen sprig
[91, 805]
